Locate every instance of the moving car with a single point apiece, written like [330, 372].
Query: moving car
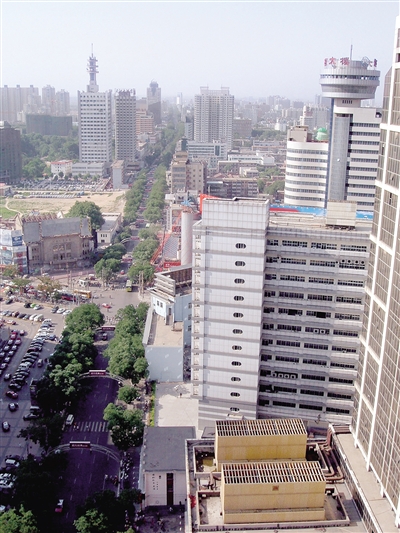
[5, 426]
[12, 394]
[13, 406]
[59, 507]
[30, 416]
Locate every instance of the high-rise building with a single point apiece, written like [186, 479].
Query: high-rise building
[10, 154]
[354, 130]
[276, 309]
[94, 117]
[17, 100]
[154, 101]
[213, 116]
[376, 421]
[62, 103]
[48, 100]
[306, 167]
[125, 125]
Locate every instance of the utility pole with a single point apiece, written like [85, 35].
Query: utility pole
[141, 284]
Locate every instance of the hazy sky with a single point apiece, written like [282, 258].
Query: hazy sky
[255, 48]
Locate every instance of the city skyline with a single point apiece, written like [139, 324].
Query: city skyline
[256, 49]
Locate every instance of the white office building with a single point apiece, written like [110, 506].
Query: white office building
[354, 130]
[306, 167]
[277, 308]
[213, 116]
[94, 118]
[125, 125]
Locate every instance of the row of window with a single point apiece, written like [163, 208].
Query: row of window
[318, 297]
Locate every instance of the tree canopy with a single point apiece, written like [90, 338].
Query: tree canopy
[87, 209]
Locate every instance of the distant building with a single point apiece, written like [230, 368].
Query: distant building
[125, 125]
[210, 152]
[48, 100]
[213, 116]
[107, 232]
[57, 243]
[187, 175]
[64, 166]
[242, 127]
[49, 125]
[94, 117]
[100, 169]
[10, 154]
[15, 101]
[154, 102]
[118, 174]
[13, 250]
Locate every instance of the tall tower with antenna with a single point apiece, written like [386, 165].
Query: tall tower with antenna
[354, 130]
[92, 69]
[94, 116]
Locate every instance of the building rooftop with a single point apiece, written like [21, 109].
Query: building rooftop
[272, 472]
[235, 428]
[164, 448]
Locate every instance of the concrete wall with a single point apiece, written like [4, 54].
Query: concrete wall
[156, 488]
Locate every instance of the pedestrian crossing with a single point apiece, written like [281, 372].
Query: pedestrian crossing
[99, 427]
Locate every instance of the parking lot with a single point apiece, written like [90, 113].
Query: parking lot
[25, 350]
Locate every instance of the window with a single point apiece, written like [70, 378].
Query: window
[238, 315]
[236, 409]
[288, 343]
[269, 294]
[239, 280]
[240, 263]
[235, 394]
[269, 309]
[315, 346]
[312, 407]
[298, 295]
[236, 363]
[311, 392]
[240, 245]
[235, 379]
[314, 362]
[238, 298]
[287, 359]
[322, 297]
[235, 347]
[237, 331]
[313, 377]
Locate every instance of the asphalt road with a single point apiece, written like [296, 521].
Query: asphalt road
[89, 471]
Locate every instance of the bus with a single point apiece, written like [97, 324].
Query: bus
[128, 285]
[82, 292]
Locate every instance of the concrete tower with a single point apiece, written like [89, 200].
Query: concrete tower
[94, 117]
[376, 421]
[154, 102]
[125, 125]
[354, 130]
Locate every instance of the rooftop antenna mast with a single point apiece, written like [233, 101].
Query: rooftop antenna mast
[351, 51]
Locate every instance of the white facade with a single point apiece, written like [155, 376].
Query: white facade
[277, 308]
[306, 168]
[94, 118]
[64, 166]
[209, 152]
[94, 169]
[228, 279]
[354, 130]
[259, 158]
[213, 116]
[125, 125]
[376, 419]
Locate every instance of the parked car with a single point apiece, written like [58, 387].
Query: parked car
[30, 416]
[12, 394]
[13, 406]
[5, 426]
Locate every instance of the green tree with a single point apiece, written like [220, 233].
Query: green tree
[127, 394]
[106, 269]
[21, 521]
[48, 285]
[144, 267]
[92, 522]
[126, 426]
[45, 431]
[87, 209]
[85, 318]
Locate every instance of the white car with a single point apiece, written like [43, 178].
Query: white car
[67, 312]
